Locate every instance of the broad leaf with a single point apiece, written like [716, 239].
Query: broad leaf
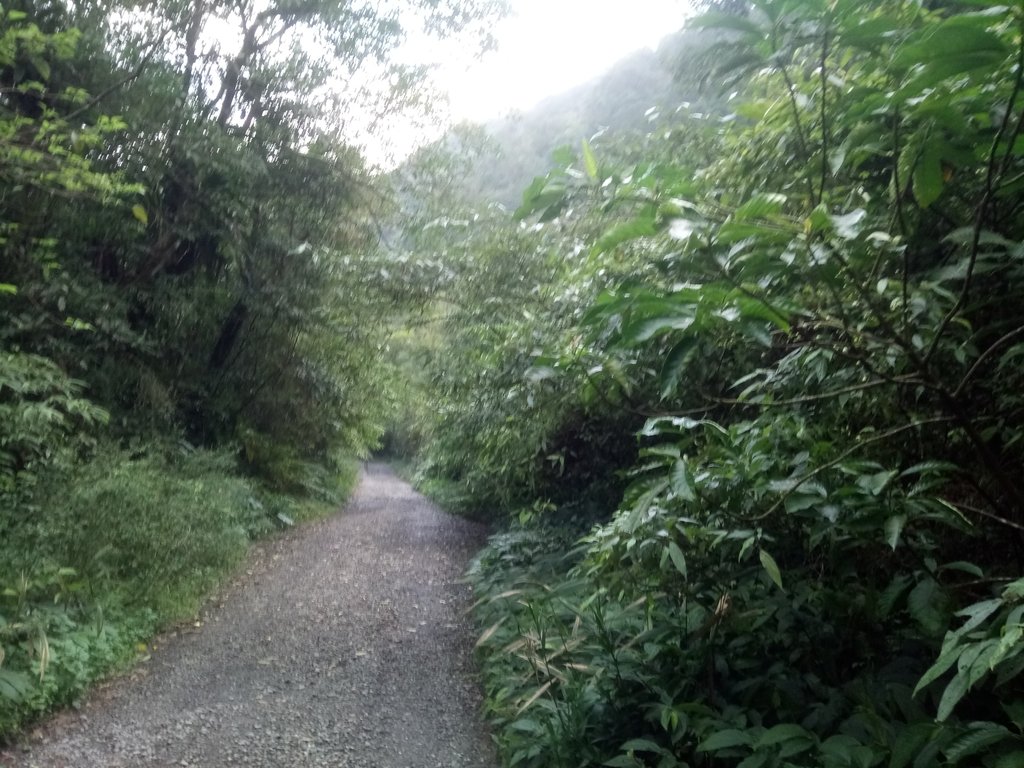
[771, 567]
[725, 740]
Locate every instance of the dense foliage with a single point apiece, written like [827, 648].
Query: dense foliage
[793, 330]
[749, 385]
[193, 301]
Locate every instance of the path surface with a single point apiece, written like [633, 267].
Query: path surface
[343, 644]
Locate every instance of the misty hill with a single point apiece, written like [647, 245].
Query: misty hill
[618, 100]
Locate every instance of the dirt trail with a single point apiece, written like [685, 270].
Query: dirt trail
[343, 644]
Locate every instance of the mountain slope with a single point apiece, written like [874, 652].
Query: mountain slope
[619, 100]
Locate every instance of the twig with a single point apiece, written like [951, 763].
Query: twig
[983, 205]
[791, 88]
[133, 75]
[991, 516]
[824, 116]
[815, 398]
[900, 219]
[842, 456]
[984, 356]
[897, 182]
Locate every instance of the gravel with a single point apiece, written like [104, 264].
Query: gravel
[344, 643]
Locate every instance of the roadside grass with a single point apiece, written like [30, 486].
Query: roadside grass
[95, 563]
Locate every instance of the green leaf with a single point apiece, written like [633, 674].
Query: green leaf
[648, 328]
[538, 373]
[760, 206]
[845, 751]
[527, 725]
[798, 502]
[623, 761]
[755, 760]
[963, 567]
[974, 660]
[849, 225]
[14, 685]
[1007, 643]
[546, 196]
[927, 181]
[140, 213]
[589, 161]
[1013, 759]
[76, 324]
[675, 362]
[976, 613]
[643, 504]
[946, 660]
[893, 529]
[978, 739]
[780, 733]
[682, 482]
[927, 606]
[1010, 670]
[871, 33]
[678, 559]
[1015, 711]
[907, 744]
[759, 310]
[876, 482]
[41, 65]
[662, 425]
[771, 567]
[888, 597]
[928, 756]
[730, 21]
[796, 746]
[623, 233]
[725, 740]
[955, 691]
[957, 43]
[8, 288]
[643, 745]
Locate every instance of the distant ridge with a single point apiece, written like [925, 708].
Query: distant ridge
[618, 100]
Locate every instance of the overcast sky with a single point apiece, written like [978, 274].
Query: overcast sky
[545, 47]
[548, 46]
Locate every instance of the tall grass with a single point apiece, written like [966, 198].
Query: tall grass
[98, 559]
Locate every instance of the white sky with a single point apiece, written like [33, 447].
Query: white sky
[548, 46]
[545, 47]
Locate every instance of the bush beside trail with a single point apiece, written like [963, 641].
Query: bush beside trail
[117, 549]
[750, 396]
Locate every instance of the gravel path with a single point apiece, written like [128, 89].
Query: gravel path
[342, 644]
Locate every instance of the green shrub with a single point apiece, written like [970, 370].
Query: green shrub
[101, 557]
[107, 554]
[817, 563]
[161, 533]
[58, 633]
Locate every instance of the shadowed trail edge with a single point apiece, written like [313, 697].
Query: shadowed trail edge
[344, 643]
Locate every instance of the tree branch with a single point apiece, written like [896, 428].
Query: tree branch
[133, 75]
[984, 356]
[983, 205]
[844, 455]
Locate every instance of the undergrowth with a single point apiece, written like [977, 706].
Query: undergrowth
[793, 332]
[97, 560]
[592, 656]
